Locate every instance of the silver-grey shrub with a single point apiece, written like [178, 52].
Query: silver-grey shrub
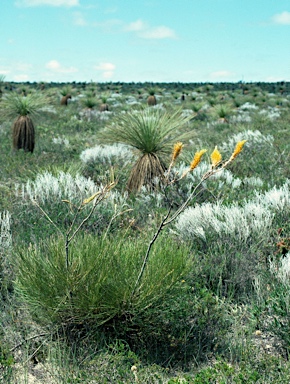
[59, 195]
[234, 241]
[254, 139]
[5, 252]
[252, 219]
[48, 187]
[107, 154]
[238, 222]
[5, 232]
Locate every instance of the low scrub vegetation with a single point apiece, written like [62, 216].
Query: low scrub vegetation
[148, 241]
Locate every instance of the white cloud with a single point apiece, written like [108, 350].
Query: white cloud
[158, 33]
[111, 10]
[53, 3]
[144, 31]
[19, 71]
[135, 26]
[282, 18]
[22, 67]
[107, 69]
[222, 74]
[21, 77]
[108, 74]
[4, 71]
[55, 66]
[110, 25]
[79, 19]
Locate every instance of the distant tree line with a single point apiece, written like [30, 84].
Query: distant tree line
[282, 87]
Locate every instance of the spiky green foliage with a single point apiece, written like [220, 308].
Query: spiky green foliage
[222, 111]
[148, 131]
[14, 105]
[152, 132]
[89, 102]
[65, 91]
[98, 284]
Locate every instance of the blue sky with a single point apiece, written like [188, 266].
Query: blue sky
[145, 40]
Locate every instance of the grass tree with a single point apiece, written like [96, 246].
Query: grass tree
[104, 106]
[222, 112]
[89, 103]
[151, 100]
[2, 77]
[151, 133]
[66, 95]
[22, 108]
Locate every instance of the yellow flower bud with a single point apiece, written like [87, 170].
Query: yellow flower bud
[216, 157]
[196, 159]
[238, 149]
[86, 201]
[176, 150]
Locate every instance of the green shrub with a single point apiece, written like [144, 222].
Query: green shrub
[98, 284]
[184, 328]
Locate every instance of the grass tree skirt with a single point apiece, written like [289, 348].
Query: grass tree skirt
[148, 171]
[24, 134]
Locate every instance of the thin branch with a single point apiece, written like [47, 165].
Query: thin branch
[113, 218]
[88, 216]
[162, 224]
[46, 215]
[28, 339]
[69, 237]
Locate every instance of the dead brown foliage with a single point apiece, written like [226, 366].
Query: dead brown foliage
[148, 169]
[23, 134]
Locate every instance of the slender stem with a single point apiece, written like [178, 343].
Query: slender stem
[29, 338]
[183, 206]
[46, 215]
[69, 237]
[86, 218]
[113, 218]
[166, 220]
[148, 251]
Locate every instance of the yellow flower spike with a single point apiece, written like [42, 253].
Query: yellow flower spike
[216, 157]
[176, 150]
[86, 201]
[238, 149]
[196, 159]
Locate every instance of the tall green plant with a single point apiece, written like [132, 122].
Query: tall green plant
[22, 108]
